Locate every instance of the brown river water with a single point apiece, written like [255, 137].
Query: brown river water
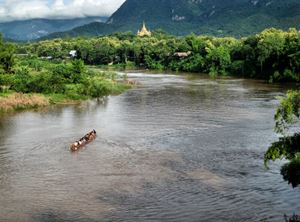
[173, 149]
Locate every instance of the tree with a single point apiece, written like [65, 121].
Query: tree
[288, 147]
[7, 57]
[77, 70]
[218, 59]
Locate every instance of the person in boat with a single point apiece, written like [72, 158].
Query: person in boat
[91, 136]
[75, 145]
[88, 137]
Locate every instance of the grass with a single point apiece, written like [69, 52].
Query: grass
[12, 102]
[64, 99]
[119, 88]
[5, 94]
[19, 101]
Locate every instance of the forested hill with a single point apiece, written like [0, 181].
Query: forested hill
[218, 17]
[214, 17]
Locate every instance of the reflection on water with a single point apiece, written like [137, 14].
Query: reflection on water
[173, 149]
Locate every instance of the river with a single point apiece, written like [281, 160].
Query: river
[176, 148]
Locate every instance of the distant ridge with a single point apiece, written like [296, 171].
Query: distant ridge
[37, 28]
[92, 29]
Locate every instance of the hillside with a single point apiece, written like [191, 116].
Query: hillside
[214, 17]
[36, 28]
[218, 17]
[89, 30]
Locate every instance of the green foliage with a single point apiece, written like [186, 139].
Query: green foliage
[77, 70]
[194, 63]
[218, 59]
[287, 147]
[75, 91]
[213, 73]
[32, 62]
[152, 63]
[6, 79]
[72, 80]
[288, 111]
[273, 54]
[98, 87]
[7, 57]
[20, 81]
[291, 172]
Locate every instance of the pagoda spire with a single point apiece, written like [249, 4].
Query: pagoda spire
[144, 31]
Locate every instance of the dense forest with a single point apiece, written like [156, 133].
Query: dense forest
[273, 54]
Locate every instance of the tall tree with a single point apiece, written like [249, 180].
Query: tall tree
[7, 55]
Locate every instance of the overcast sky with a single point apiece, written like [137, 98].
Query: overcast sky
[26, 9]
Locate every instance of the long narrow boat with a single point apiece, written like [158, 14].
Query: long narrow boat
[89, 137]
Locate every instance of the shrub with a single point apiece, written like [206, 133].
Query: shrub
[76, 71]
[20, 82]
[75, 91]
[99, 87]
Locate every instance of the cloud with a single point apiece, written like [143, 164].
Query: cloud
[28, 9]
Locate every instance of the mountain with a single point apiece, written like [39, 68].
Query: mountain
[89, 30]
[218, 17]
[214, 17]
[36, 28]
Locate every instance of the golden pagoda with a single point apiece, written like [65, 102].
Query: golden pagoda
[143, 32]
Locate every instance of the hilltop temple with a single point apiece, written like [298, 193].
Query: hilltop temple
[144, 32]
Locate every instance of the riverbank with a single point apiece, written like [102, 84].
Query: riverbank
[15, 102]
[18, 101]
[36, 83]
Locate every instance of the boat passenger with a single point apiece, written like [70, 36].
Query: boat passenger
[91, 136]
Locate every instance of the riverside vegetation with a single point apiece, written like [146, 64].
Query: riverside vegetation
[273, 54]
[30, 82]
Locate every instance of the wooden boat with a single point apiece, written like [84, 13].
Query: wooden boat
[89, 137]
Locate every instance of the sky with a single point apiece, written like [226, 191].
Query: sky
[11, 10]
